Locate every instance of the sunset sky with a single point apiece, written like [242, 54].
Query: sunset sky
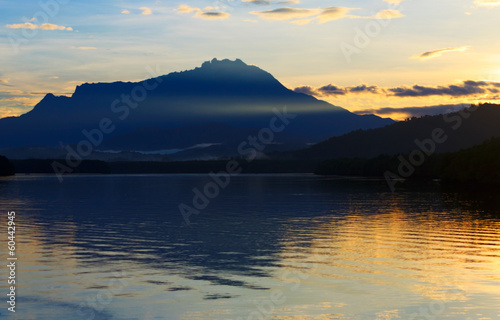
[366, 56]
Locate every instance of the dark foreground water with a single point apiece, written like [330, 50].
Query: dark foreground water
[268, 247]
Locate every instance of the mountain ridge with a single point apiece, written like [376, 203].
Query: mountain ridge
[222, 91]
[463, 129]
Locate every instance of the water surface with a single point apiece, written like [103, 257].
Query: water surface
[268, 247]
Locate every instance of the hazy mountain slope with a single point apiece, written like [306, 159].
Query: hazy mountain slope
[229, 92]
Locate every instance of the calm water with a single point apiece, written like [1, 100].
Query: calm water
[268, 247]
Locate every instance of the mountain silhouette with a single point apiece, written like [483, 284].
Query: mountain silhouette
[460, 130]
[229, 93]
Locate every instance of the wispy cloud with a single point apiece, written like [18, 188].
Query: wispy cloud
[261, 2]
[212, 8]
[302, 16]
[334, 90]
[286, 13]
[184, 8]
[302, 22]
[333, 13]
[463, 89]
[125, 11]
[16, 102]
[268, 2]
[389, 14]
[44, 26]
[437, 53]
[208, 13]
[25, 101]
[84, 48]
[467, 88]
[212, 15]
[14, 111]
[487, 3]
[396, 2]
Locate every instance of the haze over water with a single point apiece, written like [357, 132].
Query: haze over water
[269, 247]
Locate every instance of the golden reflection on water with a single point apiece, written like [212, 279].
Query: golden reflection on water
[433, 256]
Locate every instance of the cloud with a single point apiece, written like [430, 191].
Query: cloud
[437, 53]
[487, 3]
[286, 13]
[14, 111]
[321, 15]
[212, 15]
[306, 90]
[408, 112]
[333, 13]
[184, 8]
[268, 2]
[262, 2]
[44, 26]
[396, 2]
[389, 14]
[212, 8]
[146, 11]
[16, 102]
[334, 90]
[25, 101]
[125, 11]
[84, 48]
[302, 22]
[465, 88]
[331, 90]
[26, 25]
[363, 88]
[206, 13]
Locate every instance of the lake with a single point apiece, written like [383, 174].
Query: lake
[267, 247]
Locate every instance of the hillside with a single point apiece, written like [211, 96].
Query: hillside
[476, 165]
[460, 130]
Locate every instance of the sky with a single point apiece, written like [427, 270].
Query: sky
[393, 58]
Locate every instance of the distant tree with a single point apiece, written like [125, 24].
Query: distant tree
[6, 167]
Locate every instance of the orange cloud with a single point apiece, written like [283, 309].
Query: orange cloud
[437, 53]
[146, 11]
[286, 13]
[208, 13]
[45, 26]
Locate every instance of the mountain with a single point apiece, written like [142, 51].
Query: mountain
[442, 133]
[207, 141]
[229, 93]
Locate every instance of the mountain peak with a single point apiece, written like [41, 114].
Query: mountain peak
[225, 63]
